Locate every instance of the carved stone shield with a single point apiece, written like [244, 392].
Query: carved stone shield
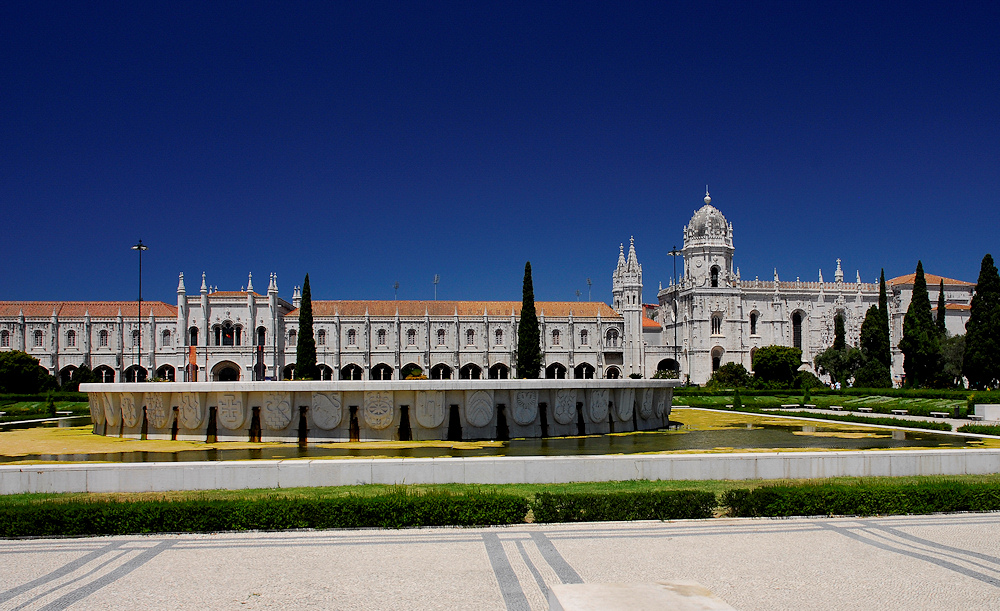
[277, 410]
[112, 408]
[478, 407]
[96, 408]
[190, 410]
[378, 409]
[326, 409]
[430, 408]
[626, 402]
[230, 412]
[599, 405]
[565, 407]
[525, 407]
[157, 408]
[129, 413]
[646, 402]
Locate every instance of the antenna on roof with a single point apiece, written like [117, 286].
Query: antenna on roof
[589, 282]
[395, 289]
[578, 294]
[437, 278]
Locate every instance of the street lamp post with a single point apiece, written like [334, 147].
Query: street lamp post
[139, 247]
[673, 253]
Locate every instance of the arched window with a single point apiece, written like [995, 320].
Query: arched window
[716, 324]
[613, 373]
[381, 341]
[753, 322]
[470, 337]
[293, 338]
[102, 339]
[470, 372]
[584, 337]
[797, 330]
[612, 338]
[71, 338]
[261, 335]
[38, 341]
[321, 337]
[583, 371]
[381, 372]
[165, 338]
[499, 372]
[498, 337]
[555, 337]
[352, 338]
[440, 337]
[555, 371]
[4, 339]
[717, 353]
[351, 372]
[440, 372]
[715, 276]
[228, 335]
[411, 337]
[194, 336]
[135, 338]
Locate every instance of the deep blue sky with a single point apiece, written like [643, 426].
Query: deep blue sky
[368, 143]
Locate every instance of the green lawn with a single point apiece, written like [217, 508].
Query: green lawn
[29, 410]
[524, 490]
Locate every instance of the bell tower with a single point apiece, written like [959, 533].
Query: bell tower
[708, 249]
[627, 292]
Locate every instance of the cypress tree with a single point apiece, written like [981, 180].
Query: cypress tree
[839, 333]
[981, 364]
[529, 353]
[873, 373]
[305, 351]
[920, 344]
[942, 331]
[884, 351]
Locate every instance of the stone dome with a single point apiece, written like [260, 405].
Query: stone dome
[708, 222]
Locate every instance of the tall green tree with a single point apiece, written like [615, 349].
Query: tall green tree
[939, 319]
[529, 351]
[873, 372]
[921, 345]
[884, 350]
[305, 351]
[981, 364]
[839, 333]
[20, 373]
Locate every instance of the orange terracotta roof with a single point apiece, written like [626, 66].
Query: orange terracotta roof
[952, 306]
[97, 309]
[932, 280]
[556, 309]
[650, 324]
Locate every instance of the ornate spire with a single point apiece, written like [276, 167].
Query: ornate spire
[838, 276]
[708, 198]
[180, 284]
[621, 256]
[204, 286]
[250, 283]
[633, 261]
[821, 276]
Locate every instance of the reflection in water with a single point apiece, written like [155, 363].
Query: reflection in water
[738, 435]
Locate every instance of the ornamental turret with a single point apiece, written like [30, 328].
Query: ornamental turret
[708, 248]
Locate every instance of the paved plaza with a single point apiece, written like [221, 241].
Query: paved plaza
[911, 562]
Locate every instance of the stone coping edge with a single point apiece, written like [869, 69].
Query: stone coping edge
[372, 385]
[293, 473]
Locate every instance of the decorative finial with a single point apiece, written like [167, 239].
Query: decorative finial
[708, 198]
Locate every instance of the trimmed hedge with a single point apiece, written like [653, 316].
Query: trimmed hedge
[898, 422]
[623, 506]
[398, 510]
[861, 499]
[980, 429]
[794, 393]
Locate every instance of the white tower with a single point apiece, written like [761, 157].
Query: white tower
[627, 291]
[708, 249]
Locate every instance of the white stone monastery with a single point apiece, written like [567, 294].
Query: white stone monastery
[708, 317]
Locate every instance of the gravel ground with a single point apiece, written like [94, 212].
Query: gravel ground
[909, 562]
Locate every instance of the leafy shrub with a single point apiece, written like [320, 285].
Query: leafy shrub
[729, 375]
[394, 510]
[622, 506]
[864, 499]
[980, 429]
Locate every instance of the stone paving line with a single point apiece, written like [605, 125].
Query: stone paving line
[907, 562]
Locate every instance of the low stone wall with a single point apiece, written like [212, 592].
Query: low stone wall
[237, 475]
[378, 410]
